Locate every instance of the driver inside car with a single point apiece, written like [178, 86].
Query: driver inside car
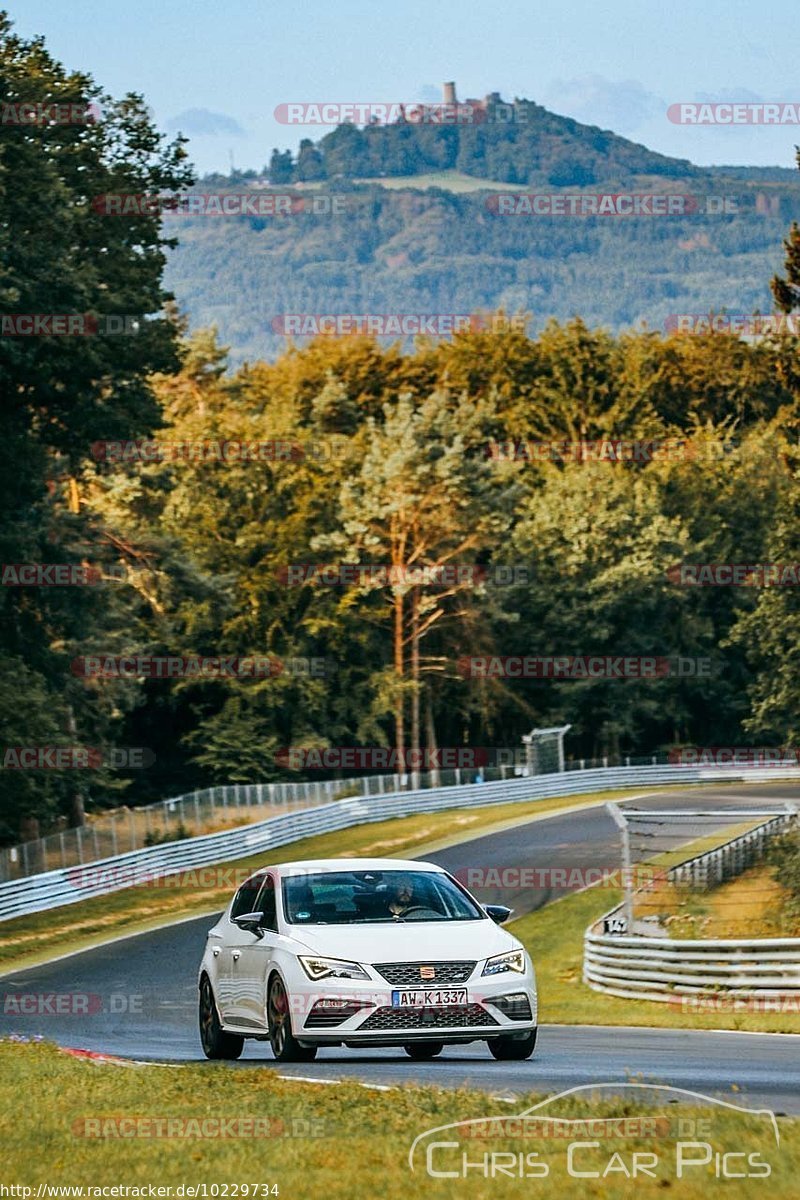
[402, 897]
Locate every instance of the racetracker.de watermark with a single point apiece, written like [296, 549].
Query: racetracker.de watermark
[156, 1127]
[743, 112]
[48, 112]
[438, 324]
[734, 756]
[778, 1003]
[608, 204]
[70, 1004]
[59, 574]
[638, 450]
[77, 758]
[259, 203]
[743, 324]
[230, 450]
[769, 574]
[437, 575]
[387, 758]
[72, 325]
[564, 878]
[214, 666]
[584, 666]
[371, 112]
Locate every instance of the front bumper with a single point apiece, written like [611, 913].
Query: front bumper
[361, 1012]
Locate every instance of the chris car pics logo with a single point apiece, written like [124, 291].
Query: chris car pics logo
[662, 1143]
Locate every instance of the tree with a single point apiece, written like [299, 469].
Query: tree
[421, 501]
[310, 165]
[61, 255]
[786, 290]
[281, 167]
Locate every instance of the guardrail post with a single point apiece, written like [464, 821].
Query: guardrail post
[625, 837]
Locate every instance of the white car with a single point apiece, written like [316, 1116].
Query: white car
[363, 952]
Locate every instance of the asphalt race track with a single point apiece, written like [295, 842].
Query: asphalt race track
[144, 990]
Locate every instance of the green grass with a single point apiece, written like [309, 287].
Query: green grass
[27, 941]
[341, 1142]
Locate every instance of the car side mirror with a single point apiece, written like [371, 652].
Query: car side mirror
[252, 922]
[498, 912]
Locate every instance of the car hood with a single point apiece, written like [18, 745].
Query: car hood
[406, 941]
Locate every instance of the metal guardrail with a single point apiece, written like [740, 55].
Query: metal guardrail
[667, 970]
[67, 886]
[120, 830]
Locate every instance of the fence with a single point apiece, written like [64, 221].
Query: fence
[67, 886]
[122, 830]
[722, 971]
[714, 867]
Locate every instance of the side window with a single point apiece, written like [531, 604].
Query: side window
[266, 904]
[245, 899]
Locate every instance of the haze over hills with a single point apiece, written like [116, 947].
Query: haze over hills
[400, 218]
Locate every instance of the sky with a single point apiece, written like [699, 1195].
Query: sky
[218, 70]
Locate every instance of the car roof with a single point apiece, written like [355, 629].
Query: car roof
[325, 865]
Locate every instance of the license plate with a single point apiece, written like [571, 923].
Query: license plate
[429, 997]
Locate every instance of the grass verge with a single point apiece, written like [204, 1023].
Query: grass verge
[754, 905]
[89, 1122]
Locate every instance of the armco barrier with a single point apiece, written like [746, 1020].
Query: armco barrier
[719, 969]
[640, 968]
[35, 893]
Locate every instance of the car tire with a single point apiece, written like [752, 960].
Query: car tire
[285, 1045]
[513, 1047]
[215, 1041]
[420, 1051]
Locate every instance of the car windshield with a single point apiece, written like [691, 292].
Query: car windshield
[372, 897]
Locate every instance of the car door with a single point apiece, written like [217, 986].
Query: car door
[251, 957]
[230, 948]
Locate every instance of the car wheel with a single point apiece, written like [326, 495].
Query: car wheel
[215, 1041]
[511, 1047]
[285, 1045]
[419, 1051]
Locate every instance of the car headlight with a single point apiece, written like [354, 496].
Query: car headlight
[514, 960]
[336, 968]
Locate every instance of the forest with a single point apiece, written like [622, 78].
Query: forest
[504, 492]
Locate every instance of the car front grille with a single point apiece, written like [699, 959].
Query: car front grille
[516, 1007]
[408, 974]
[454, 1017]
